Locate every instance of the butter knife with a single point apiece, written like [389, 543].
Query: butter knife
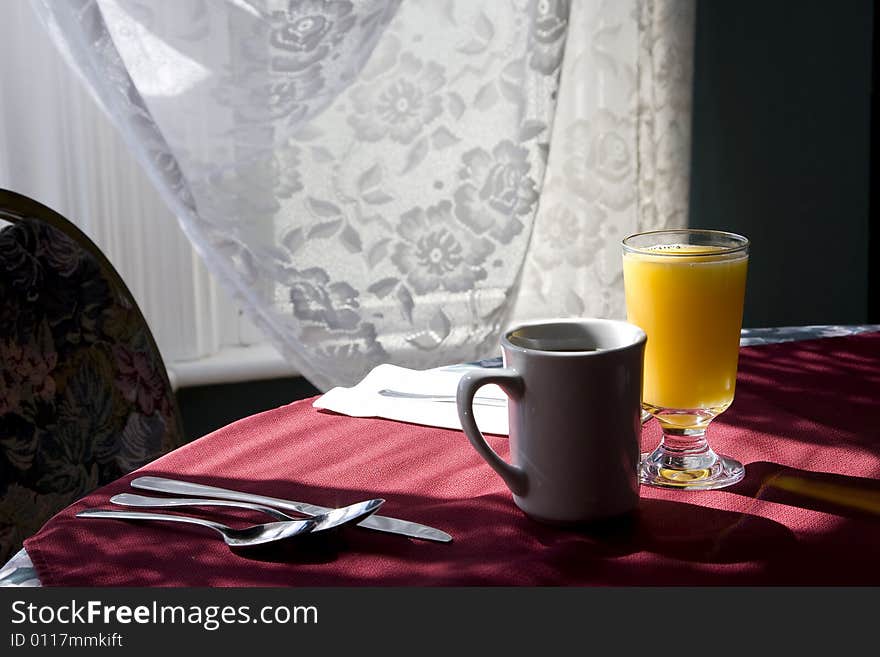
[378, 523]
[478, 400]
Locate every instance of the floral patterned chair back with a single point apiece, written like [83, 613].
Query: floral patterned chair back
[84, 394]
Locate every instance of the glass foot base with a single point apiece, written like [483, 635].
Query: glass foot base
[724, 472]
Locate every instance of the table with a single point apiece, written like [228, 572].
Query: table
[19, 571]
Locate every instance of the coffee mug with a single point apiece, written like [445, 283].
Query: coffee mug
[574, 389]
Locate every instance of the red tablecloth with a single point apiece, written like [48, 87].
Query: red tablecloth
[805, 422]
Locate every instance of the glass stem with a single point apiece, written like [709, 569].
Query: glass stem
[683, 459]
[684, 449]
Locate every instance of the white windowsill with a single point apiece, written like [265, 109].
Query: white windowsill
[262, 361]
[231, 365]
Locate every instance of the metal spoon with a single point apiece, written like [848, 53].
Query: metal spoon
[143, 501]
[257, 534]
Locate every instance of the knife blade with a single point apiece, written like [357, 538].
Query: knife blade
[378, 523]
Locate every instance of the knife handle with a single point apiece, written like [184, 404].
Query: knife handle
[174, 486]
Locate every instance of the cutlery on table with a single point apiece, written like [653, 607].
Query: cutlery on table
[478, 400]
[256, 534]
[130, 499]
[376, 522]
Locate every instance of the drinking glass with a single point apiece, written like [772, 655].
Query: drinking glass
[685, 289]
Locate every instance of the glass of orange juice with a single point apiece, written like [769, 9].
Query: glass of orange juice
[685, 289]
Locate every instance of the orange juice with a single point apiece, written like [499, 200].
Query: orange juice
[690, 305]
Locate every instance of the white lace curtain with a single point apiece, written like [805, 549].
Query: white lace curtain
[369, 177]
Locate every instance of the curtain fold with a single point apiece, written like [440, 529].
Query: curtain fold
[365, 176]
[620, 153]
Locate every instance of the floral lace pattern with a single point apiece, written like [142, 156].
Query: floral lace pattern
[84, 397]
[364, 174]
[370, 170]
[435, 252]
[399, 104]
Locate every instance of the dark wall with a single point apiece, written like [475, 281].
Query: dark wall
[781, 147]
[207, 408]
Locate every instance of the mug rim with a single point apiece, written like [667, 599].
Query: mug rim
[640, 337]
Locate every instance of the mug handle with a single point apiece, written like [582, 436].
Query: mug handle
[512, 384]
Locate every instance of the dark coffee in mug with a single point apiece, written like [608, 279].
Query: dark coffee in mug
[572, 349]
[558, 337]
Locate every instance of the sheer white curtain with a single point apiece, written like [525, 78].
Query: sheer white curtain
[620, 153]
[366, 176]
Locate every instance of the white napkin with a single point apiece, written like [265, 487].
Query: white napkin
[364, 400]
